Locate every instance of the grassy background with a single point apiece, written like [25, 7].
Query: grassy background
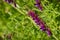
[15, 21]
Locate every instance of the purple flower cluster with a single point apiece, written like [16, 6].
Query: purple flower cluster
[38, 4]
[11, 1]
[39, 22]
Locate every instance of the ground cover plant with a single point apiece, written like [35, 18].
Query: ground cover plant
[17, 24]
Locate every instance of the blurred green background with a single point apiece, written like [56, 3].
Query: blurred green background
[15, 21]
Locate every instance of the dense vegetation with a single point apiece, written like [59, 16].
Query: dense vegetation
[15, 24]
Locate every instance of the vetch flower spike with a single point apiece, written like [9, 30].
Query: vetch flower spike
[39, 22]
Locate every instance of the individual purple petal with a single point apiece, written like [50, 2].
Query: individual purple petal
[31, 13]
[40, 7]
[48, 31]
[36, 18]
[43, 27]
[37, 22]
[38, 4]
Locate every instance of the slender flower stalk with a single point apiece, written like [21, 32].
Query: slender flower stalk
[39, 22]
[38, 4]
[11, 1]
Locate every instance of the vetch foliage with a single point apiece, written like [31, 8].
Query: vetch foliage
[22, 27]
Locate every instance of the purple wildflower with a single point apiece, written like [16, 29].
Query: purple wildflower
[38, 4]
[11, 1]
[39, 22]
